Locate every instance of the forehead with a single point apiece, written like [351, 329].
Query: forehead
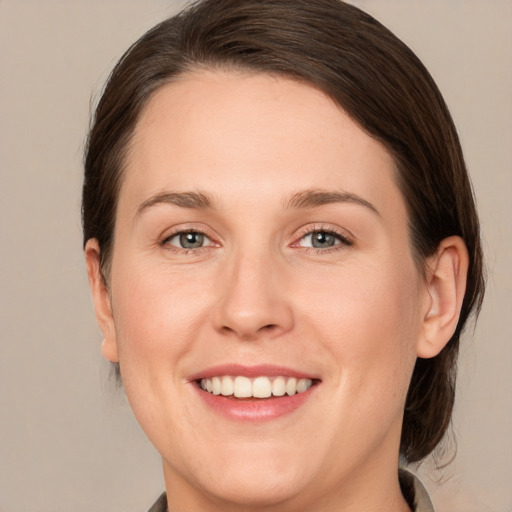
[237, 133]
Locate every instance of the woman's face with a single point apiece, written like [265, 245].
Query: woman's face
[260, 233]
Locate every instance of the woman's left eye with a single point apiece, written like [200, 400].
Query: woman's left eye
[322, 239]
[188, 240]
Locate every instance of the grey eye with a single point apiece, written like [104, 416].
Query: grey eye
[320, 240]
[189, 240]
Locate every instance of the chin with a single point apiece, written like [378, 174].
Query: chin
[263, 476]
[256, 487]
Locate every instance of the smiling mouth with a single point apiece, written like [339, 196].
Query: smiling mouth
[241, 387]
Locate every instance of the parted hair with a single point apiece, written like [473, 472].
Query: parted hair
[373, 76]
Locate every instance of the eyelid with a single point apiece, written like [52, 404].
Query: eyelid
[183, 229]
[345, 238]
[180, 233]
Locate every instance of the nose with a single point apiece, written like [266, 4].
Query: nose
[255, 300]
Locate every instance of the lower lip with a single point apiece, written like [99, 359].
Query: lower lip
[259, 409]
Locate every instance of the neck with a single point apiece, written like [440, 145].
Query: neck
[366, 490]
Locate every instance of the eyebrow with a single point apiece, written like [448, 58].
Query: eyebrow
[193, 200]
[311, 198]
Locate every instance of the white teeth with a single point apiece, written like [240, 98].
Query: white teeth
[302, 385]
[242, 387]
[216, 386]
[291, 386]
[279, 386]
[260, 387]
[227, 386]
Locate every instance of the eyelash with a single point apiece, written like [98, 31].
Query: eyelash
[182, 250]
[342, 241]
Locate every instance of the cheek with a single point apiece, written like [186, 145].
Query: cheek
[157, 321]
[369, 320]
[156, 315]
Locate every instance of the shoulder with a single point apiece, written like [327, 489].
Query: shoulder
[160, 505]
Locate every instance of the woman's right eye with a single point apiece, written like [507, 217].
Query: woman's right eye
[188, 240]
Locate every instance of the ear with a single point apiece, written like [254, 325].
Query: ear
[101, 300]
[445, 282]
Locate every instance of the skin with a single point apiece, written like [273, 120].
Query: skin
[356, 315]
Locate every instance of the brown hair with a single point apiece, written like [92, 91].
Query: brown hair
[373, 76]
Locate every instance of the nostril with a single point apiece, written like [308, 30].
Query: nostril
[248, 321]
[250, 334]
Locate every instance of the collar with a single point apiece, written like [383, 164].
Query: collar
[414, 492]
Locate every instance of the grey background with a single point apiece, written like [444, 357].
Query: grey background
[67, 437]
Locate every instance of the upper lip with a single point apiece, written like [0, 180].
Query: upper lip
[260, 370]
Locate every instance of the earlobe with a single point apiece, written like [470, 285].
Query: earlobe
[109, 350]
[101, 300]
[445, 283]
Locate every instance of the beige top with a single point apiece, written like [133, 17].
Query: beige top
[413, 490]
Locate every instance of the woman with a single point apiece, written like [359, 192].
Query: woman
[283, 251]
